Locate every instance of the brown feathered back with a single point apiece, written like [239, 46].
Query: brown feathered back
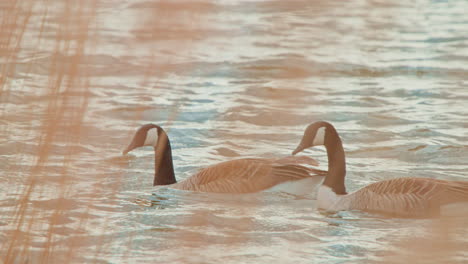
[249, 175]
[410, 196]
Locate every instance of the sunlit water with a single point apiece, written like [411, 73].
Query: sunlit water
[232, 79]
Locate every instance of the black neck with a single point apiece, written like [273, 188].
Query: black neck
[163, 167]
[336, 162]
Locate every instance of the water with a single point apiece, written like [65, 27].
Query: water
[226, 79]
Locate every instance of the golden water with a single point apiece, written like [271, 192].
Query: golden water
[226, 79]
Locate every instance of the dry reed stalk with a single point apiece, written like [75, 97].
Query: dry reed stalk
[63, 116]
[176, 27]
[183, 24]
[13, 24]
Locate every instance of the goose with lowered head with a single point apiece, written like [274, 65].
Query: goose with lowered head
[236, 176]
[409, 197]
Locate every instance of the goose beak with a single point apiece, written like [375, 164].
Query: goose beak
[129, 148]
[125, 151]
[298, 149]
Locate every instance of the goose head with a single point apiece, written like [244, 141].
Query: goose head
[146, 135]
[316, 134]
[324, 134]
[154, 136]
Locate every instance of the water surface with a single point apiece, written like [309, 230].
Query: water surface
[226, 79]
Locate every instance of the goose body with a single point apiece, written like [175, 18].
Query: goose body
[410, 197]
[246, 176]
[235, 176]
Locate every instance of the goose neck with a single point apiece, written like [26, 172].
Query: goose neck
[163, 167]
[336, 164]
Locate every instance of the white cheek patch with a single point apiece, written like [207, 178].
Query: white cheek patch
[319, 138]
[151, 137]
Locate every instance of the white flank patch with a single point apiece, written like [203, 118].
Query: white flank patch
[319, 138]
[151, 137]
[300, 187]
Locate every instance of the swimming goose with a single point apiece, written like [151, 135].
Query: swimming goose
[410, 197]
[235, 176]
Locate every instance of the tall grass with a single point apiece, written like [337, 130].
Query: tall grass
[45, 48]
[66, 92]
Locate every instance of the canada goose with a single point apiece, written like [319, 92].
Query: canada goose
[235, 176]
[410, 197]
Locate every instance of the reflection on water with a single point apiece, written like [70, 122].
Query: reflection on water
[226, 79]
